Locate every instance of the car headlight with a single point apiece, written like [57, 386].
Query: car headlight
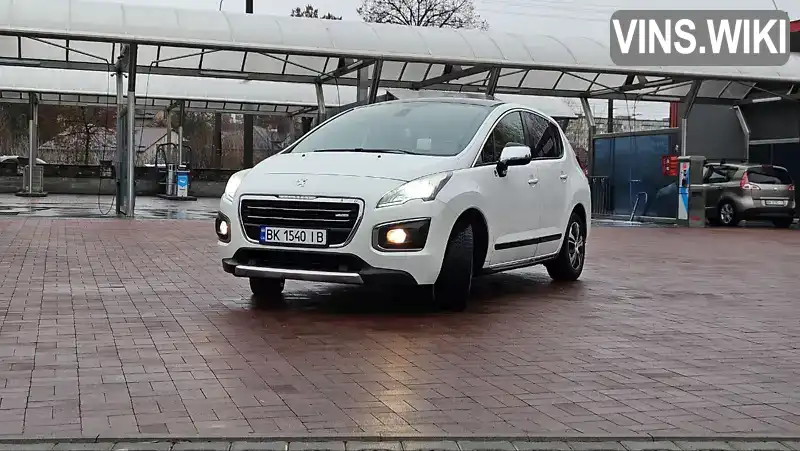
[424, 188]
[233, 184]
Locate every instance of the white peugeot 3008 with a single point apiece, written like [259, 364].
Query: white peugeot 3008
[427, 192]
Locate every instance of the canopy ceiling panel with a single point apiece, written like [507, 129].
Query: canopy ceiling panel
[94, 88]
[81, 35]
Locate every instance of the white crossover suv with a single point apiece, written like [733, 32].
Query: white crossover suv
[427, 192]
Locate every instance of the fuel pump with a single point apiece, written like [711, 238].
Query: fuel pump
[174, 177]
[691, 191]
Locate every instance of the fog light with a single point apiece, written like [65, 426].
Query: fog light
[396, 236]
[222, 226]
[401, 236]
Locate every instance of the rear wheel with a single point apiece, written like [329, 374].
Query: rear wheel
[266, 292]
[452, 288]
[783, 223]
[727, 214]
[568, 266]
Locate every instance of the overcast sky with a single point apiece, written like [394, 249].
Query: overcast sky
[520, 16]
[579, 17]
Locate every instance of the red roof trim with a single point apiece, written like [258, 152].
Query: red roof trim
[794, 27]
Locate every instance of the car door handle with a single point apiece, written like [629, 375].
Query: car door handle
[533, 181]
[564, 176]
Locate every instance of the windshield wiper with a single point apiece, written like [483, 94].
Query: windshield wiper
[361, 149]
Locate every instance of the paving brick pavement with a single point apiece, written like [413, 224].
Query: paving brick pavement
[119, 328]
[443, 444]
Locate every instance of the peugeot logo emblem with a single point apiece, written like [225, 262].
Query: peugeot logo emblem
[302, 182]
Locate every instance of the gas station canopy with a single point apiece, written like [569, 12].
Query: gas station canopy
[88, 36]
[158, 92]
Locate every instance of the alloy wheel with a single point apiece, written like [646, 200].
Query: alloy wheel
[726, 213]
[576, 245]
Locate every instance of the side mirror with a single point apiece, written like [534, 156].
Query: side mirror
[513, 155]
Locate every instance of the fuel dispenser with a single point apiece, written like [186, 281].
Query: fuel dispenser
[175, 178]
[691, 193]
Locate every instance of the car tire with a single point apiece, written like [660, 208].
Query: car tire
[726, 212]
[266, 291]
[568, 265]
[452, 288]
[783, 223]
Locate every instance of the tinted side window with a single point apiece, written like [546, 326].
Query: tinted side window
[536, 126]
[769, 176]
[718, 176]
[508, 130]
[544, 138]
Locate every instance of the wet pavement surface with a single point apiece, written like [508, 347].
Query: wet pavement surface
[130, 327]
[89, 206]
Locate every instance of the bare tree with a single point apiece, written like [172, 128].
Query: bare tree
[312, 13]
[13, 128]
[423, 13]
[86, 129]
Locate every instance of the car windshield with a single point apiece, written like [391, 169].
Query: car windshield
[769, 175]
[419, 128]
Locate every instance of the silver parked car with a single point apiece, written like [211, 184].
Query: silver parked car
[736, 192]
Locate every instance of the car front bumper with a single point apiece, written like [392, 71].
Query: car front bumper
[356, 262]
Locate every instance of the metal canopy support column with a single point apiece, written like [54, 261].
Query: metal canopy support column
[248, 126]
[218, 141]
[247, 141]
[321, 113]
[610, 124]
[130, 155]
[376, 81]
[181, 117]
[120, 142]
[491, 85]
[688, 104]
[33, 146]
[587, 111]
[363, 82]
[745, 131]
[168, 120]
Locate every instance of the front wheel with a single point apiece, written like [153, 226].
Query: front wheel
[452, 288]
[568, 265]
[783, 223]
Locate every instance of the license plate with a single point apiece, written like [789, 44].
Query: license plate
[780, 203]
[280, 235]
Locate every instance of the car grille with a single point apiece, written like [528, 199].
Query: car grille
[338, 218]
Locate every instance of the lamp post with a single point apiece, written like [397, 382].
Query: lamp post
[247, 152]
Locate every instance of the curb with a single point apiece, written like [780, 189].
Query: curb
[371, 437]
[750, 443]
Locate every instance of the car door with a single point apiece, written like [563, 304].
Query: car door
[511, 206]
[718, 182]
[547, 149]
[714, 181]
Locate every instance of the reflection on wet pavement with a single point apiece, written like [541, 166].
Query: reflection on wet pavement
[90, 206]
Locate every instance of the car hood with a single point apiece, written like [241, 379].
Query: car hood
[397, 167]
